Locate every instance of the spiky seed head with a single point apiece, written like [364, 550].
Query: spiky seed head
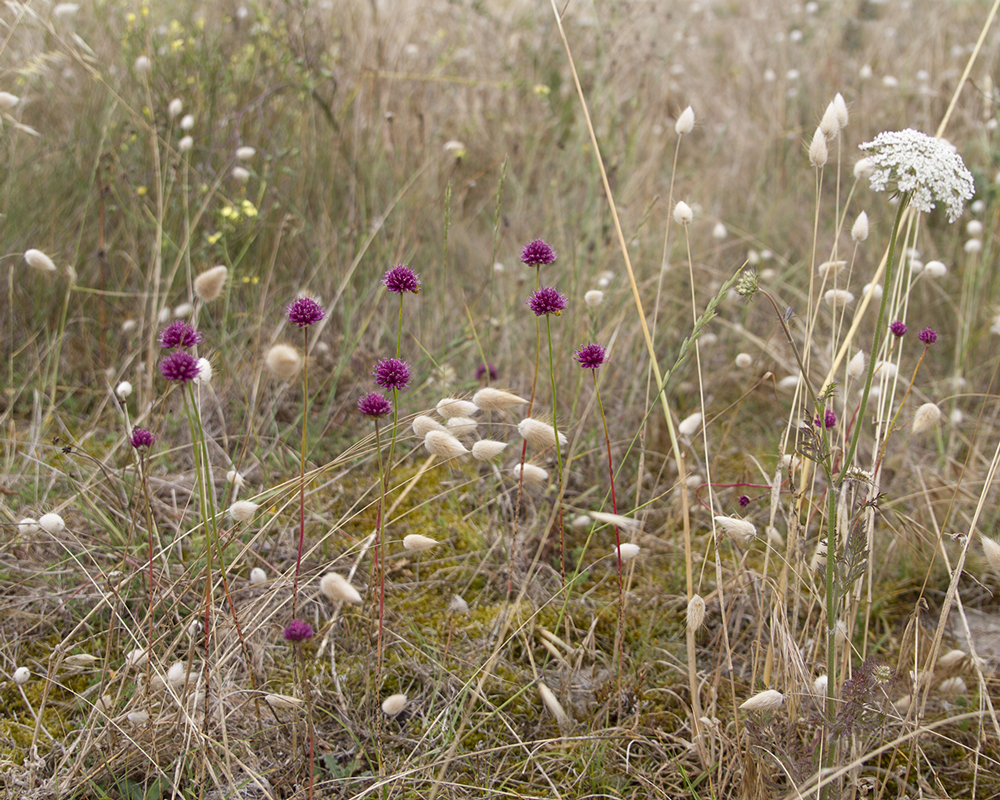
[828, 124]
[394, 704]
[540, 435]
[683, 214]
[926, 418]
[337, 589]
[532, 473]
[689, 426]
[38, 260]
[422, 425]
[768, 700]
[830, 269]
[487, 449]
[418, 542]
[257, 576]
[629, 523]
[8, 100]
[51, 523]
[21, 675]
[208, 285]
[742, 531]
[461, 426]
[174, 107]
[991, 549]
[628, 552]
[841, 106]
[490, 399]
[859, 231]
[818, 153]
[443, 445]
[695, 612]
[685, 122]
[593, 298]
[284, 361]
[243, 511]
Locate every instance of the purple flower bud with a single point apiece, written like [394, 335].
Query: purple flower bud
[179, 366]
[927, 336]
[744, 500]
[305, 311]
[375, 405]
[897, 328]
[179, 334]
[298, 630]
[547, 301]
[536, 253]
[141, 439]
[392, 373]
[401, 279]
[590, 357]
[828, 420]
[490, 367]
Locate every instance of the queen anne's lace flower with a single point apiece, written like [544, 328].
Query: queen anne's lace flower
[926, 167]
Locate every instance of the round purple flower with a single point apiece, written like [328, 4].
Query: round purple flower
[179, 334]
[179, 366]
[828, 421]
[897, 328]
[392, 373]
[141, 439]
[401, 279]
[591, 357]
[547, 301]
[298, 630]
[490, 368]
[744, 500]
[305, 311]
[538, 252]
[928, 336]
[375, 405]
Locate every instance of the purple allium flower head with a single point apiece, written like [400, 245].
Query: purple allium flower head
[298, 630]
[141, 439]
[898, 328]
[744, 500]
[828, 421]
[590, 357]
[179, 334]
[401, 279]
[375, 405]
[489, 367]
[179, 366]
[537, 252]
[547, 301]
[928, 336]
[305, 311]
[392, 373]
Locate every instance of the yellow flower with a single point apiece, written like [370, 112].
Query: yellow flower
[214, 238]
[541, 90]
[248, 208]
[141, 191]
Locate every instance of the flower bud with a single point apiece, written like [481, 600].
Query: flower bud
[685, 122]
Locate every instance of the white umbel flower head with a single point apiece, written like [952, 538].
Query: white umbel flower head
[449, 407]
[245, 153]
[695, 612]
[926, 418]
[393, 704]
[628, 552]
[174, 107]
[991, 549]
[243, 511]
[538, 434]
[443, 445]
[594, 297]
[859, 231]
[257, 576]
[818, 152]
[336, 588]
[418, 542]
[422, 425]
[856, 366]
[52, 523]
[742, 531]
[919, 164]
[284, 361]
[209, 284]
[689, 426]
[487, 449]
[38, 260]
[768, 700]
[532, 473]
[21, 675]
[123, 390]
[683, 213]
[685, 122]
[489, 399]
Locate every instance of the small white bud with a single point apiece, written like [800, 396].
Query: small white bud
[337, 589]
[487, 449]
[257, 576]
[393, 704]
[818, 152]
[243, 511]
[856, 366]
[174, 108]
[690, 425]
[21, 675]
[52, 523]
[594, 297]
[417, 542]
[628, 552]
[245, 153]
[685, 122]
[123, 390]
[187, 122]
[143, 65]
[38, 260]
[859, 231]
[683, 213]
[829, 124]
[744, 360]
[532, 473]
[841, 106]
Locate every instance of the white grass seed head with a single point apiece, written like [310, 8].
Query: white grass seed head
[337, 589]
[210, 283]
[284, 361]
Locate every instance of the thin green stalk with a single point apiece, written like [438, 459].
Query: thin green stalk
[302, 466]
[559, 467]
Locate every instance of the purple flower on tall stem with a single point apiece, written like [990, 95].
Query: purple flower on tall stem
[547, 300]
[928, 336]
[828, 421]
[305, 311]
[401, 279]
[179, 334]
[897, 328]
[591, 357]
[298, 630]
[744, 500]
[392, 373]
[179, 366]
[375, 405]
[537, 252]
[141, 439]
[483, 369]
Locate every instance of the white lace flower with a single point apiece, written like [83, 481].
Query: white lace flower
[926, 167]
